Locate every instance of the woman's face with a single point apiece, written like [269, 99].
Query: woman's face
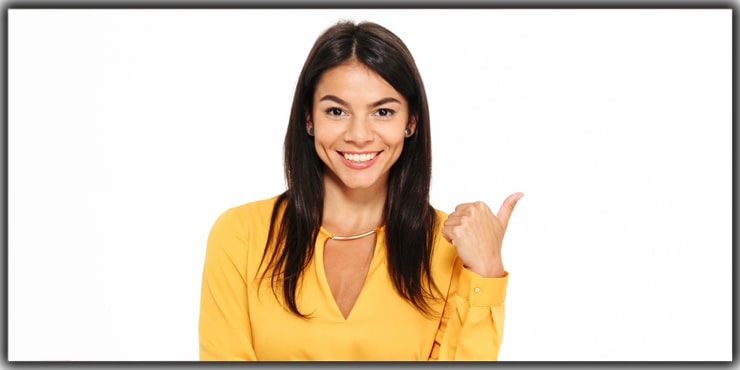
[359, 121]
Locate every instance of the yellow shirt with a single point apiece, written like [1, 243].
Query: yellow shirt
[243, 320]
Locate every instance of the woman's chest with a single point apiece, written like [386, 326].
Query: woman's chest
[381, 325]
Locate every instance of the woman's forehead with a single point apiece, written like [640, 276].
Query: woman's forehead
[354, 80]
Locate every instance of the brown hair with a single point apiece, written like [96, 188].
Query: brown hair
[411, 223]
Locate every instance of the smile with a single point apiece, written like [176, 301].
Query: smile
[360, 158]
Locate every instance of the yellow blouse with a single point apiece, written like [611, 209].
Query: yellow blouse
[243, 320]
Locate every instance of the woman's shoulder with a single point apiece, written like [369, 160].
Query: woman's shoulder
[249, 217]
[237, 237]
[441, 215]
[440, 218]
[255, 209]
[444, 253]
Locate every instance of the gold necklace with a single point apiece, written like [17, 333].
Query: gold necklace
[353, 237]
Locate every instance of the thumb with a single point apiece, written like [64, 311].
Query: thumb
[507, 207]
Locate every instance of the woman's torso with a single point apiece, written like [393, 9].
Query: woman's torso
[381, 324]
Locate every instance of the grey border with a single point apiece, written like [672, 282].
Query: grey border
[339, 4]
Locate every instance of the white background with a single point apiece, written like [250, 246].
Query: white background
[130, 131]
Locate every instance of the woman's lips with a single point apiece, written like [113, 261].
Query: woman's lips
[359, 160]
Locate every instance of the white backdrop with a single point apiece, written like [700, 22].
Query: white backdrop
[130, 131]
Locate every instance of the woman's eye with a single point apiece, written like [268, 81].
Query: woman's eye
[334, 112]
[384, 112]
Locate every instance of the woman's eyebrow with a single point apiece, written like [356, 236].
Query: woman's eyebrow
[338, 100]
[334, 99]
[384, 101]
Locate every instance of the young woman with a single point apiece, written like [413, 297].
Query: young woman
[351, 262]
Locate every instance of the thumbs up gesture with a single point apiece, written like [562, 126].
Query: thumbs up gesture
[477, 234]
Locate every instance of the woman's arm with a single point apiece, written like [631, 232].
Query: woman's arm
[224, 327]
[472, 325]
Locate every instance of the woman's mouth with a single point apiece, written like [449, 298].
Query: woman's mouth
[360, 161]
[360, 158]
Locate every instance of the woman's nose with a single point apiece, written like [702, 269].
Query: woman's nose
[359, 130]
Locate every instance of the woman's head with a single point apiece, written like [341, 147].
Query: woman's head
[342, 55]
[359, 123]
[365, 45]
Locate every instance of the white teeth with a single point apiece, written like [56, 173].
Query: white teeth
[359, 158]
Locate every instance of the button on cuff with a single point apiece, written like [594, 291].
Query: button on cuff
[482, 291]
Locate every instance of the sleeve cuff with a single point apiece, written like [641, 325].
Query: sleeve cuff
[481, 291]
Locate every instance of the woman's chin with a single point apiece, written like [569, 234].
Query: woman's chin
[361, 184]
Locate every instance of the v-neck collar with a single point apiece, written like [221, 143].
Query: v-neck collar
[377, 259]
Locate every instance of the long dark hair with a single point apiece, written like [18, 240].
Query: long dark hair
[410, 220]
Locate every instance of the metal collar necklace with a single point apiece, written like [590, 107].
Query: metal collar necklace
[353, 237]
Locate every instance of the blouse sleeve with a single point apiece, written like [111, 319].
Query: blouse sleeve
[472, 324]
[224, 326]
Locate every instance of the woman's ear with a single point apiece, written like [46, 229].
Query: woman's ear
[309, 125]
[411, 127]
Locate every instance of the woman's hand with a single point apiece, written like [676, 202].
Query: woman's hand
[477, 235]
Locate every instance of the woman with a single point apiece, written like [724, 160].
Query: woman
[352, 262]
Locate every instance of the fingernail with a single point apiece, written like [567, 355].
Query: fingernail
[521, 195]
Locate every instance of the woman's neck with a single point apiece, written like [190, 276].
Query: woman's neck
[352, 211]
